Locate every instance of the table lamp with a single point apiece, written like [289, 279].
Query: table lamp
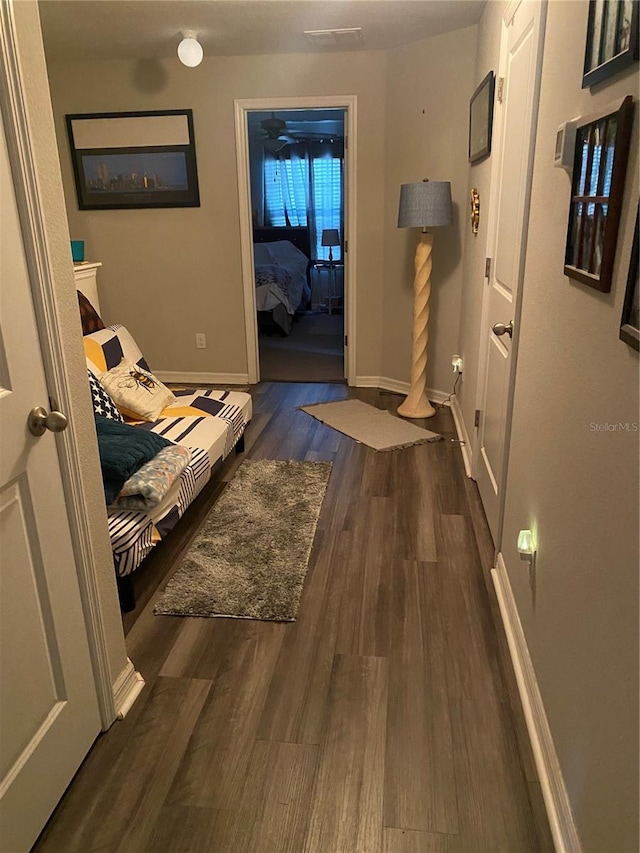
[330, 238]
[424, 205]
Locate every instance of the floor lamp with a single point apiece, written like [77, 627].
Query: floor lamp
[331, 238]
[427, 204]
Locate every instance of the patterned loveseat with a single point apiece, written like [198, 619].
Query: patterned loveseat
[210, 423]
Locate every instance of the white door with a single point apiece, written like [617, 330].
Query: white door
[48, 706]
[521, 63]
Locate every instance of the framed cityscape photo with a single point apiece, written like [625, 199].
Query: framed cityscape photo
[612, 39]
[134, 160]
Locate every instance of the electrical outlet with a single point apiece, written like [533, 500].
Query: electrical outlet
[201, 340]
[456, 363]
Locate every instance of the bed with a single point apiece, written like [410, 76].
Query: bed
[281, 275]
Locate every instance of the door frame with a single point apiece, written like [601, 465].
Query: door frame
[494, 194]
[28, 194]
[339, 102]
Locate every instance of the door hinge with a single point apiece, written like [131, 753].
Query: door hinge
[346, 245]
[476, 418]
[346, 340]
[487, 267]
[500, 91]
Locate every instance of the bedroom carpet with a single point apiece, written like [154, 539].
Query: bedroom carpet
[371, 426]
[250, 558]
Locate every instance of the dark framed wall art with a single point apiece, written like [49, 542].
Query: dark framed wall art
[134, 159]
[630, 323]
[481, 119]
[597, 189]
[612, 39]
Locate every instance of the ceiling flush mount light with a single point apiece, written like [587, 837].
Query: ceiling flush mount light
[190, 51]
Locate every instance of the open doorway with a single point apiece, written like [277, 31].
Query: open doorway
[295, 192]
[296, 170]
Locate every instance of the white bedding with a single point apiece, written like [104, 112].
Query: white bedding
[281, 254]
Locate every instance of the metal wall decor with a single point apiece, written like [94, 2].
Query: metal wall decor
[475, 210]
[134, 159]
[612, 39]
[601, 154]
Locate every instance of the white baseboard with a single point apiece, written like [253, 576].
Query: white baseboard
[396, 386]
[127, 688]
[463, 435]
[382, 382]
[556, 800]
[436, 396]
[175, 376]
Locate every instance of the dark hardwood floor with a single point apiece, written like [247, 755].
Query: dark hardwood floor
[384, 720]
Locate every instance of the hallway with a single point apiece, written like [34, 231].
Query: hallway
[385, 720]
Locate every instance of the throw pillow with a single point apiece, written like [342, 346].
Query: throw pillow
[106, 349]
[102, 403]
[89, 317]
[136, 392]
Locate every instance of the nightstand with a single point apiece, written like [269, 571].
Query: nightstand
[327, 284]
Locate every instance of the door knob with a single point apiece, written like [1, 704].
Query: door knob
[500, 329]
[40, 420]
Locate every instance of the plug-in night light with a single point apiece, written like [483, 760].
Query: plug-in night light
[526, 546]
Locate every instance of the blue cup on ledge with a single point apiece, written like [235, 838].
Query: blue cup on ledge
[77, 251]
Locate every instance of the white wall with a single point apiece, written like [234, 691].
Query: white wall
[170, 273]
[45, 153]
[577, 488]
[429, 84]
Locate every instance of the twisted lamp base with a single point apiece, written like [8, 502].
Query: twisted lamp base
[416, 404]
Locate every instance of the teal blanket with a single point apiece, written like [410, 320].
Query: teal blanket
[124, 449]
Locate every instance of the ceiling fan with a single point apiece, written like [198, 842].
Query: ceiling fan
[277, 133]
[275, 137]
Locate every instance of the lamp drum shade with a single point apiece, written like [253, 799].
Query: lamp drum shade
[330, 237]
[427, 204]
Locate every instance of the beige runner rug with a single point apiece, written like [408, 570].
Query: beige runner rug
[374, 427]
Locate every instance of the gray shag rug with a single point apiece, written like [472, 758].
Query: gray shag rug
[250, 558]
[374, 427]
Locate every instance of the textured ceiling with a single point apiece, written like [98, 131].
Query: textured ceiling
[143, 29]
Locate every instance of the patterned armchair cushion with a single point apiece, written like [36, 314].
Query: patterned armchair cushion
[209, 422]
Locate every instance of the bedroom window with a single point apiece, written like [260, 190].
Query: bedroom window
[286, 187]
[304, 187]
[327, 197]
